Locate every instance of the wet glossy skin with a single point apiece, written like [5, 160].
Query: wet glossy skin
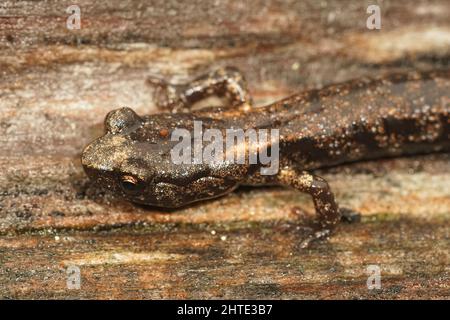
[357, 120]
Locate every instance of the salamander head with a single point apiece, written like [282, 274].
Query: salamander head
[134, 160]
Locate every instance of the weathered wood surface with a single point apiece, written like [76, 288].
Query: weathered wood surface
[57, 85]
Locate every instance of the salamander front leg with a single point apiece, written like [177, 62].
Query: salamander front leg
[225, 82]
[327, 210]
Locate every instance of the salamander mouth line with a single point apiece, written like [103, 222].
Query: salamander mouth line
[170, 183]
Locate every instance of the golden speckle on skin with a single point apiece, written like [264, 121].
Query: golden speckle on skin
[304, 179]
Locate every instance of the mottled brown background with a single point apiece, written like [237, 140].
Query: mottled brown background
[56, 86]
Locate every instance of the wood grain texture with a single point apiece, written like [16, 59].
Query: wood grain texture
[56, 86]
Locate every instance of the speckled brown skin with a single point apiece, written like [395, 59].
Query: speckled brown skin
[362, 119]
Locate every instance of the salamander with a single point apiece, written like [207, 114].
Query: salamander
[366, 118]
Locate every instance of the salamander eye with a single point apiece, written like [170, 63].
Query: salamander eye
[129, 184]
